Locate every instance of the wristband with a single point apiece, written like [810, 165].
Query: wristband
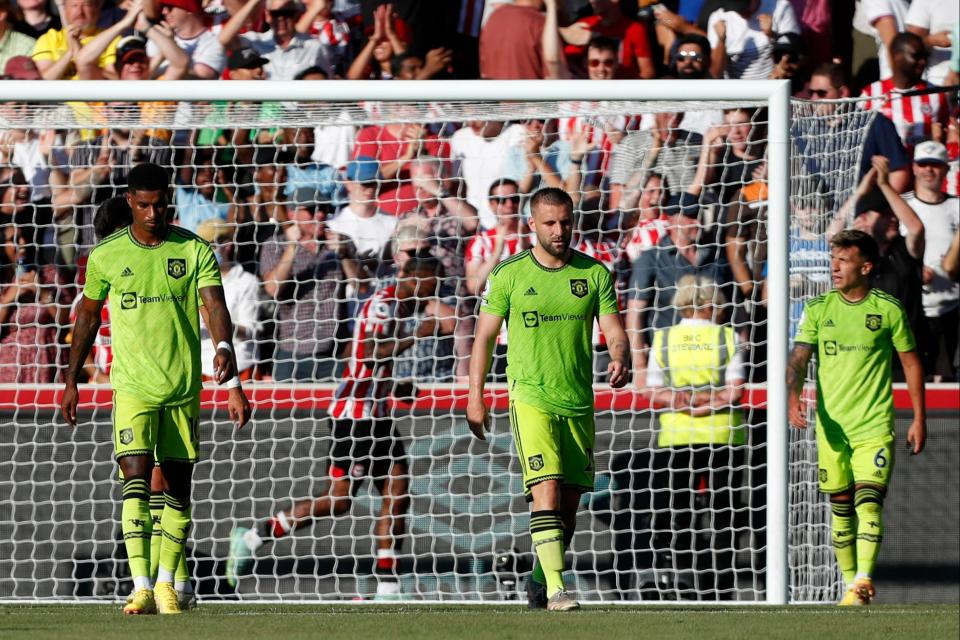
[580, 161]
[223, 344]
[232, 383]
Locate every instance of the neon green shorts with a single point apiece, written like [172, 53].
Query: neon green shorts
[168, 433]
[553, 447]
[843, 464]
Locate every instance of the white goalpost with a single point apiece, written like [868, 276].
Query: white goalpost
[60, 502]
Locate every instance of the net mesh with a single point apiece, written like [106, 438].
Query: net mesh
[662, 523]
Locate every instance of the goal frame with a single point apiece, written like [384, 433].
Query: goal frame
[775, 94]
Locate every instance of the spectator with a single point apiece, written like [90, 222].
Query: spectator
[883, 19]
[743, 34]
[610, 21]
[789, 61]
[644, 219]
[482, 147]
[302, 272]
[913, 115]
[12, 42]
[809, 255]
[691, 61]
[602, 61]
[821, 140]
[331, 28]
[199, 194]
[302, 172]
[655, 275]
[672, 28]
[484, 252]
[37, 18]
[131, 59]
[940, 215]
[362, 230]
[665, 148]
[701, 439]
[32, 307]
[518, 42]
[55, 50]
[933, 21]
[192, 32]
[241, 290]
[288, 51]
[393, 146]
[731, 156]
[881, 213]
[333, 143]
[382, 47]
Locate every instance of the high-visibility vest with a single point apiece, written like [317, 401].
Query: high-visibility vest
[694, 357]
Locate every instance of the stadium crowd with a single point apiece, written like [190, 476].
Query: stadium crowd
[307, 222]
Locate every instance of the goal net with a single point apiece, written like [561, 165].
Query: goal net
[378, 183]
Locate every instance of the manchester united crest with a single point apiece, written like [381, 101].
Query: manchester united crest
[579, 287]
[176, 267]
[873, 321]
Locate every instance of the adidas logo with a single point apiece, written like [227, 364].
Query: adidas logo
[126, 273]
[828, 323]
[531, 292]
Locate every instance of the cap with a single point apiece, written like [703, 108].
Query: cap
[930, 151]
[363, 169]
[788, 43]
[684, 204]
[214, 230]
[193, 6]
[245, 58]
[22, 68]
[129, 48]
[308, 198]
[873, 201]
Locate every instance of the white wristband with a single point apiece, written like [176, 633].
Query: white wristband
[223, 344]
[232, 383]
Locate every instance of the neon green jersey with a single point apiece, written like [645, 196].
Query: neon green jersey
[550, 315]
[855, 343]
[154, 305]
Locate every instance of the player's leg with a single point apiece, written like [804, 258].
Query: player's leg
[390, 473]
[135, 432]
[835, 477]
[872, 463]
[178, 445]
[157, 486]
[337, 500]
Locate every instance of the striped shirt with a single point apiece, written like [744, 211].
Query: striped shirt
[914, 115]
[645, 236]
[364, 390]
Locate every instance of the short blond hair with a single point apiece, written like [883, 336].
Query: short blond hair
[697, 292]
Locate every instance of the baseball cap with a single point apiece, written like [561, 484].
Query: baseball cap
[130, 48]
[873, 201]
[788, 43]
[245, 58]
[22, 68]
[213, 230]
[363, 169]
[193, 6]
[930, 151]
[308, 198]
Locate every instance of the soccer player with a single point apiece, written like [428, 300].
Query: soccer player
[156, 273]
[854, 329]
[365, 438]
[549, 295]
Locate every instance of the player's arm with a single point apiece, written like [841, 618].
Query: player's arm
[913, 372]
[796, 374]
[488, 327]
[224, 361]
[84, 333]
[618, 371]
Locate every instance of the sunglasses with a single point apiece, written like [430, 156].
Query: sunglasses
[501, 199]
[819, 93]
[283, 13]
[928, 163]
[693, 56]
[595, 62]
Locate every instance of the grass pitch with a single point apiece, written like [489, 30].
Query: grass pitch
[402, 622]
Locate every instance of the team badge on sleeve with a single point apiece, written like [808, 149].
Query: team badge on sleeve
[873, 321]
[579, 288]
[176, 267]
[536, 462]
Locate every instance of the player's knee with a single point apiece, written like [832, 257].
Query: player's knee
[869, 498]
[177, 476]
[136, 467]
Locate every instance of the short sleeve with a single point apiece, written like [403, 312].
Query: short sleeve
[918, 15]
[808, 332]
[606, 295]
[45, 47]
[495, 298]
[883, 140]
[900, 333]
[96, 287]
[208, 272]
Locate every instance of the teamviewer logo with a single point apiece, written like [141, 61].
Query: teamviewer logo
[128, 300]
[531, 319]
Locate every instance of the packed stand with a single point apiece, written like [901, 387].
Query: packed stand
[310, 224]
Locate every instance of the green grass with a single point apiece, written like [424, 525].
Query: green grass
[423, 622]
